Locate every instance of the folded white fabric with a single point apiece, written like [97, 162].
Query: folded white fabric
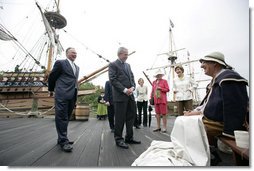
[188, 147]
[160, 153]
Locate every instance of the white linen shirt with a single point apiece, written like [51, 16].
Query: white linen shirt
[184, 88]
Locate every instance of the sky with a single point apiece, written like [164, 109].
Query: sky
[101, 26]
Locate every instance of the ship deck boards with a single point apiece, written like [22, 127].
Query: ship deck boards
[32, 142]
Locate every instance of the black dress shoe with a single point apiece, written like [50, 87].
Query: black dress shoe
[122, 145]
[132, 142]
[66, 147]
[70, 142]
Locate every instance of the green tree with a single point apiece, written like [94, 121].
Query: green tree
[92, 98]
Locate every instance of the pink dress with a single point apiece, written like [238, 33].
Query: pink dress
[160, 96]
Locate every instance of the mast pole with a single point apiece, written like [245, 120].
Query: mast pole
[172, 58]
[55, 21]
[50, 57]
[58, 6]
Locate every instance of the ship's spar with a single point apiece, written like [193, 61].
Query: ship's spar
[97, 72]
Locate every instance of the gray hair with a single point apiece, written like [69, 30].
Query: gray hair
[121, 49]
[68, 49]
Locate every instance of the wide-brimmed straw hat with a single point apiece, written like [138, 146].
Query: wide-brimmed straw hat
[215, 57]
[159, 71]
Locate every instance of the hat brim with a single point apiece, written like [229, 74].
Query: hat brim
[206, 58]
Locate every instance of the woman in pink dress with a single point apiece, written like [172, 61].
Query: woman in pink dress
[159, 93]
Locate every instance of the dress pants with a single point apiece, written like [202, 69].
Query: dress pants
[184, 105]
[142, 106]
[63, 111]
[111, 115]
[124, 114]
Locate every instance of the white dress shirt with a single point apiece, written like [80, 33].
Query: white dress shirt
[72, 65]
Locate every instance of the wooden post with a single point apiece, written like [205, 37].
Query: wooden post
[147, 78]
[34, 111]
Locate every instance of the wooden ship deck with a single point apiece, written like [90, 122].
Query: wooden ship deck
[32, 142]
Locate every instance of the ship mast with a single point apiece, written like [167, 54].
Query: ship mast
[172, 57]
[53, 21]
[58, 6]
[50, 58]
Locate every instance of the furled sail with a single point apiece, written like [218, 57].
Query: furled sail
[49, 29]
[5, 36]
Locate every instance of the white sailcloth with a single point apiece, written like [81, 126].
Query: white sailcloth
[189, 146]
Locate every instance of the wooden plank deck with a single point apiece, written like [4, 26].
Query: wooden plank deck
[32, 142]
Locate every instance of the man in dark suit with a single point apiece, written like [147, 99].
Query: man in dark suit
[123, 85]
[108, 97]
[63, 81]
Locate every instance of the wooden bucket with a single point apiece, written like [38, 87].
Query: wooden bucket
[82, 112]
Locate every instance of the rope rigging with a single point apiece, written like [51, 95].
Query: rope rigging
[20, 46]
[100, 56]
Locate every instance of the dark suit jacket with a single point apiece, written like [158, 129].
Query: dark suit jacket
[108, 97]
[62, 80]
[120, 79]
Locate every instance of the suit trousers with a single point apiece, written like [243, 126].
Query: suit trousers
[63, 111]
[111, 115]
[124, 114]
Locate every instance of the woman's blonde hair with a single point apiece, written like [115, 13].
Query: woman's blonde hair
[140, 79]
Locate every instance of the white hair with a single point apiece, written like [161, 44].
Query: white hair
[121, 49]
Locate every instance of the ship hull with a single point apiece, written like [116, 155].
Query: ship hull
[24, 91]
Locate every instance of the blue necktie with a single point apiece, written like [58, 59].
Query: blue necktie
[125, 68]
